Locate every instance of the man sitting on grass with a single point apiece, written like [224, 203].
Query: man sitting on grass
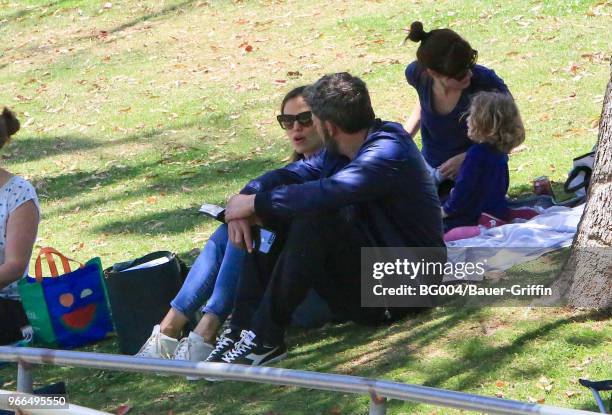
[369, 188]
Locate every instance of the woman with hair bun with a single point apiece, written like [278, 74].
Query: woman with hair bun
[19, 216]
[445, 75]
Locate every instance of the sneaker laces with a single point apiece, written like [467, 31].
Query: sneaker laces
[28, 333]
[182, 350]
[244, 345]
[223, 342]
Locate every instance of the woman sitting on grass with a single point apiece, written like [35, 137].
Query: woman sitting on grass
[214, 276]
[19, 216]
[445, 75]
[495, 127]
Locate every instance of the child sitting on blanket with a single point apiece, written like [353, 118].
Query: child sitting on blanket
[495, 126]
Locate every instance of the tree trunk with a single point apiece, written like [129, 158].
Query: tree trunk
[588, 271]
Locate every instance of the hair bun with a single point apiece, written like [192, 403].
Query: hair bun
[10, 121]
[417, 33]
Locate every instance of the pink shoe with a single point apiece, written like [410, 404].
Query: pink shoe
[461, 232]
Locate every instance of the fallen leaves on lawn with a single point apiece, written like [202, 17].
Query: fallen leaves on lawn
[520, 148]
[77, 247]
[500, 383]
[246, 47]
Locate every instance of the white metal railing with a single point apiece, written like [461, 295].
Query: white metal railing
[378, 390]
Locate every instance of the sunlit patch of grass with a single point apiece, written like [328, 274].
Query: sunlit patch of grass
[135, 114]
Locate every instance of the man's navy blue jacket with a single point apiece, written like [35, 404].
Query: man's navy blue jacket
[386, 182]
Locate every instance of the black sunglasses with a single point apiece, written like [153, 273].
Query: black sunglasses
[473, 59]
[286, 121]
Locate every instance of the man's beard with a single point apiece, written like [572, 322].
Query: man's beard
[330, 143]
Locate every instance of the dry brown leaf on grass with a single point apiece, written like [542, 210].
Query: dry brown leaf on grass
[573, 68]
[246, 47]
[518, 149]
[570, 393]
[22, 98]
[77, 247]
[544, 117]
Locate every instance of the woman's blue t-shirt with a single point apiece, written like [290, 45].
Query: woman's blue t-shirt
[445, 136]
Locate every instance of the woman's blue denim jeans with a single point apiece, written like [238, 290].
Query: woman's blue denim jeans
[212, 279]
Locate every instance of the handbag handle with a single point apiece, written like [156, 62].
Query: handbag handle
[48, 252]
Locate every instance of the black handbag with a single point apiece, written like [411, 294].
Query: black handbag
[140, 298]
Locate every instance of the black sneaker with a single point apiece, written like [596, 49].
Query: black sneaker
[247, 352]
[224, 344]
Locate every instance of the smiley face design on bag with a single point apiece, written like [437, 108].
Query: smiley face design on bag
[83, 312]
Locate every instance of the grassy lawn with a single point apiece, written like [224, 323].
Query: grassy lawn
[136, 112]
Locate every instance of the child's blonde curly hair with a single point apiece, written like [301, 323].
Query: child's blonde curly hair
[494, 119]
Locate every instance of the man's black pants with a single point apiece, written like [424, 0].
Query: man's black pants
[322, 253]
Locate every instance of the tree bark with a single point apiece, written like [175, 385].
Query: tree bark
[586, 278]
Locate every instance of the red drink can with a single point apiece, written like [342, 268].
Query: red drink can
[541, 186]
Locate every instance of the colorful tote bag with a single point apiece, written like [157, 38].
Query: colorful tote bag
[68, 310]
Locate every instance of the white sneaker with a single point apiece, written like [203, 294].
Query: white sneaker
[158, 346]
[194, 349]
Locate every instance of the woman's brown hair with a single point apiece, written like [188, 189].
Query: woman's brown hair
[294, 93]
[494, 119]
[9, 125]
[442, 50]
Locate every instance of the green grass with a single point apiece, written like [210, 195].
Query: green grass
[134, 115]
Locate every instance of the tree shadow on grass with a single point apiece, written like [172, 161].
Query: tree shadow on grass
[152, 394]
[162, 13]
[157, 177]
[32, 148]
[477, 359]
[164, 222]
[28, 10]
[36, 49]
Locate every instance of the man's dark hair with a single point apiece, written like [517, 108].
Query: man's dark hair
[342, 99]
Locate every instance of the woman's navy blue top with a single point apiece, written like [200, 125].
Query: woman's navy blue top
[445, 136]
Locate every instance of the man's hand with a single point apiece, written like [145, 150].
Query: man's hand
[240, 207]
[239, 233]
[450, 168]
